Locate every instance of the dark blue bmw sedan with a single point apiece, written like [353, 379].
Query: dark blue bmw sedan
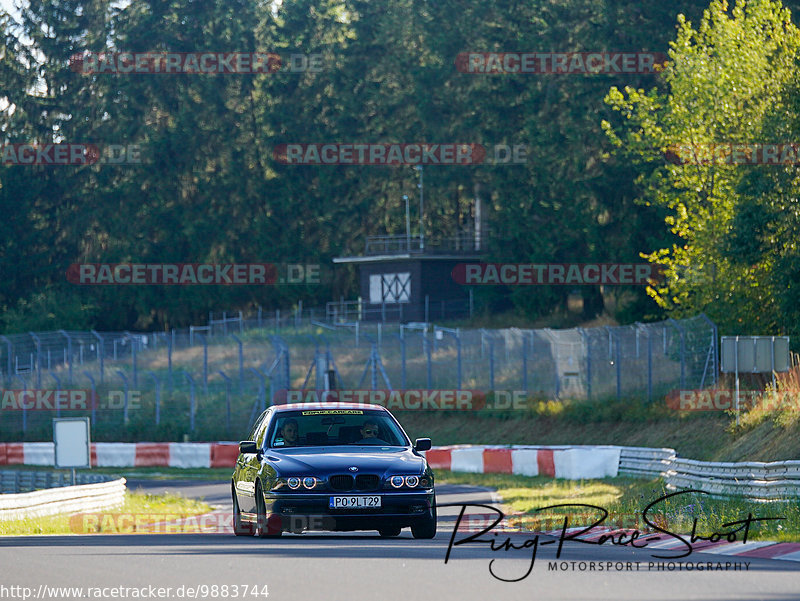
[332, 466]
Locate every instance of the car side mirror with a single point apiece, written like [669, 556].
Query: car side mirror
[422, 444]
[248, 446]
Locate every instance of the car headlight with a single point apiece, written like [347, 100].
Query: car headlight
[409, 481]
[295, 482]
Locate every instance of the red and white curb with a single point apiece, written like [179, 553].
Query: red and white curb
[559, 462]
[572, 463]
[129, 454]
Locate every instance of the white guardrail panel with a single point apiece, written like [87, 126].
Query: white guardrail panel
[755, 480]
[66, 499]
[645, 462]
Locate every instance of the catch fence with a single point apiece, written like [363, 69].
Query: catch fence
[212, 380]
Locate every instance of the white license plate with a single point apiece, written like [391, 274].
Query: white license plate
[354, 502]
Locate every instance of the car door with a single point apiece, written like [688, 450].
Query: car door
[247, 465]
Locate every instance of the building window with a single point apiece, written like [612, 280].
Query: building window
[390, 288]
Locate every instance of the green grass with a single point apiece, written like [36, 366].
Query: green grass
[625, 499]
[141, 505]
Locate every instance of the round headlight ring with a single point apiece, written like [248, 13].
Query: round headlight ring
[309, 482]
[396, 481]
[293, 482]
[412, 481]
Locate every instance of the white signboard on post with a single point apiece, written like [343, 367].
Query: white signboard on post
[754, 354]
[72, 445]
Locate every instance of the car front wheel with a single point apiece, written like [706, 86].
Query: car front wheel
[240, 528]
[426, 528]
[266, 526]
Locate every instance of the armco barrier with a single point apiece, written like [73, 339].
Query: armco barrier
[644, 462]
[764, 481]
[66, 499]
[17, 481]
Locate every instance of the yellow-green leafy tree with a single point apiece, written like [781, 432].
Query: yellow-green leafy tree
[720, 88]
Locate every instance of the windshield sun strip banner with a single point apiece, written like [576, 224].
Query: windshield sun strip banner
[334, 412]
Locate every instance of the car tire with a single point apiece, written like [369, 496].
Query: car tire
[426, 528]
[240, 528]
[264, 529]
[389, 531]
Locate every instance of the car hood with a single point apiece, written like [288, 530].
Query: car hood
[321, 461]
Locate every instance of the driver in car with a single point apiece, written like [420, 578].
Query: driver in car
[369, 432]
[289, 433]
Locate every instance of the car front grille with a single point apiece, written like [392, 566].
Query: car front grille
[341, 482]
[367, 482]
[362, 482]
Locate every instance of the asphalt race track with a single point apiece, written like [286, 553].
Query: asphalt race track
[358, 566]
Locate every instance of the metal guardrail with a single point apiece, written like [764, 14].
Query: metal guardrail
[643, 462]
[760, 481]
[16, 481]
[754, 480]
[775, 471]
[63, 499]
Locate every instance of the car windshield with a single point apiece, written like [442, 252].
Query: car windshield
[334, 427]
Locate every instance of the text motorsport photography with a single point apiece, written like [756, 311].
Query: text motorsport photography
[664, 544]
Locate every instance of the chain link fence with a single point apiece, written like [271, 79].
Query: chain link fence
[209, 382]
